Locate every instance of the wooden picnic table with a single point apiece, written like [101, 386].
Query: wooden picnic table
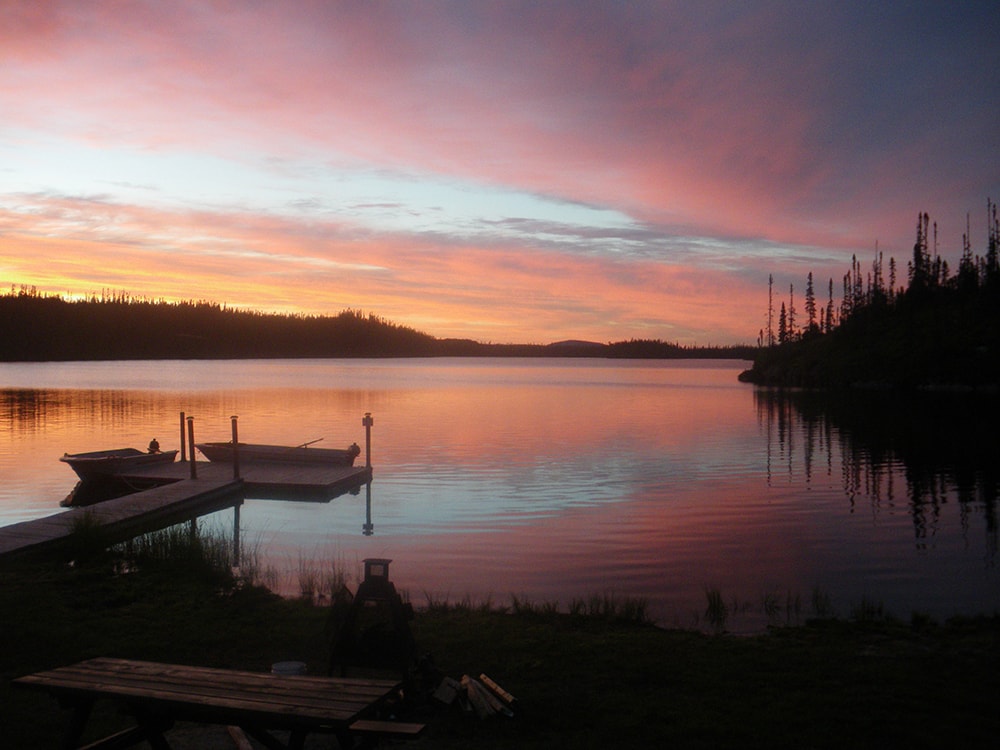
[157, 695]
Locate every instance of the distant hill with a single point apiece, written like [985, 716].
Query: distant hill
[35, 327]
[574, 344]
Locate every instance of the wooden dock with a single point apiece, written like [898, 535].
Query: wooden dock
[123, 518]
[176, 498]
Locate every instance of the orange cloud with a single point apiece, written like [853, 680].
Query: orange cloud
[271, 263]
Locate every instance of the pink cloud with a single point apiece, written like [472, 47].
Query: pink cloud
[664, 119]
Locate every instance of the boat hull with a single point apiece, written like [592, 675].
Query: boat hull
[98, 465]
[250, 452]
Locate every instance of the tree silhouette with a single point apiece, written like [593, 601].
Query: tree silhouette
[811, 326]
[939, 329]
[120, 326]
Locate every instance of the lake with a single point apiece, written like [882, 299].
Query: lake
[560, 479]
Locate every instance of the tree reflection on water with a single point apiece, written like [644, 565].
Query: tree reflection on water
[940, 448]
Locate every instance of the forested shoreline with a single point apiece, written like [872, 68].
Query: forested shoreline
[939, 330]
[37, 328]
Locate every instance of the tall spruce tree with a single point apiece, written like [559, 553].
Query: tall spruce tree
[791, 332]
[810, 305]
[829, 309]
[770, 309]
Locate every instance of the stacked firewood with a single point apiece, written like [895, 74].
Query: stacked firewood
[481, 696]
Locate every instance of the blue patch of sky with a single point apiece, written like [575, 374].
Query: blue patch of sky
[436, 208]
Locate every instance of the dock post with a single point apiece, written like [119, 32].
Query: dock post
[194, 464]
[183, 440]
[236, 535]
[236, 449]
[368, 422]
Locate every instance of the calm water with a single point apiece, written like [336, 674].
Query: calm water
[559, 479]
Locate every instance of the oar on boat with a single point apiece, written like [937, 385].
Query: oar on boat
[305, 445]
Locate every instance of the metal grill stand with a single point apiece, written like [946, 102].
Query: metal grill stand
[374, 632]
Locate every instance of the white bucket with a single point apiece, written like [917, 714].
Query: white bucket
[288, 667]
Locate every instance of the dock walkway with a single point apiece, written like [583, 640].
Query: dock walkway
[122, 518]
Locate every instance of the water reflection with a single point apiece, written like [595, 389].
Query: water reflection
[368, 528]
[28, 411]
[563, 479]
[87, 493]
[923, 451]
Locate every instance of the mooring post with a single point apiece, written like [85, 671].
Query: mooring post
[183, 440]
[368, 422]
[194, 464]
[236, 449]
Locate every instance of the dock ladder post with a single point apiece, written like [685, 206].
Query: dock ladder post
[194, 464]
[236, 449]
[368, 422]
[183, 440]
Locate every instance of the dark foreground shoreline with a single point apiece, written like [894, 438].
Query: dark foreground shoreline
[581, 681]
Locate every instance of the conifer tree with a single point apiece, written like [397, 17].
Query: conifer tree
[770, 309]
[858, 292]
[791, 312]
[810, 305]
[829, 309]
[878, 294]
[967, 276]
[845, 300]
[920, 265]
[992, 270]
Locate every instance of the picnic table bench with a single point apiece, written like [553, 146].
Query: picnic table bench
[157, 695]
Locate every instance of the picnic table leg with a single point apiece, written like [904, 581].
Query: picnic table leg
[77, 722]
[152, 724]
[126, 738]
[149, 728]
[269, 741]
[345, 739]
[154, 735]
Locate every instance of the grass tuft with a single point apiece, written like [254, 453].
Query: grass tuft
[867, 610]
[87, 540]
[320, 581]
[822, 604]
[716, 611]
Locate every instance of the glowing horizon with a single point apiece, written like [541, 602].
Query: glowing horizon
[500, 172]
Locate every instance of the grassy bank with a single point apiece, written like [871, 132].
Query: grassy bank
[582, 680]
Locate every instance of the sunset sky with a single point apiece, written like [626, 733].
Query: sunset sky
[503, 171]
